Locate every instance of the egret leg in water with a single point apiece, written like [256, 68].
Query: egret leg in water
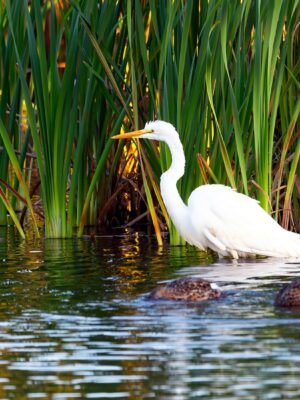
[216, 217]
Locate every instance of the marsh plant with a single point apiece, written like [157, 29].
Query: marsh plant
[228, 78]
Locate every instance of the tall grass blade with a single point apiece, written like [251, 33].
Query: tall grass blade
[19, 174]
[12, 213]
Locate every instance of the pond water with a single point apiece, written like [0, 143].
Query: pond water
[75, 323]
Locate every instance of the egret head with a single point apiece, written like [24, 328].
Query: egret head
[154, 130]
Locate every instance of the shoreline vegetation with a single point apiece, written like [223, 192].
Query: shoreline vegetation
[73, 73]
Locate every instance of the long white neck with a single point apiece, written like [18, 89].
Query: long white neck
[171, 197]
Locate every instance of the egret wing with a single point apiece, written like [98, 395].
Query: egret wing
[232, 222]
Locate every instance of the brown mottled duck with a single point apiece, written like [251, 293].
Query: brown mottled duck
[187, 289]
[289, 295]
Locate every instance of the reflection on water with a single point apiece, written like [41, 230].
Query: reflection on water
[75, 323]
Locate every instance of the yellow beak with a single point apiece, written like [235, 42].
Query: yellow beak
[133, 134]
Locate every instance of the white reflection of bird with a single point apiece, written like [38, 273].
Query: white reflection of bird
[216, 217]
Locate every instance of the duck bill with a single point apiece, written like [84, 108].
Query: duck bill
[133, 134]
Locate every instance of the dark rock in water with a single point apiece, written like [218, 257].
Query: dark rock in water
[187, 289]
[289, 295]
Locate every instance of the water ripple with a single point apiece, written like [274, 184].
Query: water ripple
[75, 323]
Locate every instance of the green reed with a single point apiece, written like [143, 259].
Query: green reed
[228, 79]
[226, 75]
[71, 112]
[10, 109]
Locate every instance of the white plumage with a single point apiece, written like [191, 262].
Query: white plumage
[235, 225]
[216, 216]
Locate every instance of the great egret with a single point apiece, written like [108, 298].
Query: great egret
[216, 217]
[187, 289]
[289, 295]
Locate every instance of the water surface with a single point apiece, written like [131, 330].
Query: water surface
[75, 323]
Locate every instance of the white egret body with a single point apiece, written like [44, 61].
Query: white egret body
[217, 217]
